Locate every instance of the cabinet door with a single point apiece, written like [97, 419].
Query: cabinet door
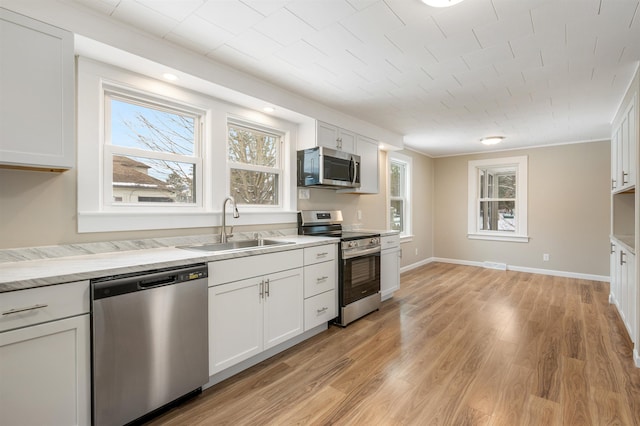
[389, 272]
[347, 141]
[235, 323]
[613, 272]
[633, 298]
[283, 316]
[632, 148]
[327, 135]
[367, 149]
[37, 86]
[44, 374]
[614, 159]
[624, 286]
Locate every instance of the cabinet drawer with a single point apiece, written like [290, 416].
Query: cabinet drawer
[390, 241]
[319, 278]
[33, 306]
[319, 309]
[319, 254]
[226, 271]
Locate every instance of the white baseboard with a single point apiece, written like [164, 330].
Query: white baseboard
[552, 272]
[636, 356]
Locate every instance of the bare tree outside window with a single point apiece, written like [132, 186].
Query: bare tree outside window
[254, 165]
[167, 173]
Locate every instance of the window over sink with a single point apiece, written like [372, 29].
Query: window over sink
[154, 155]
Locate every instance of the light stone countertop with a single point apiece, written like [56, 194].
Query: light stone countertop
[20, 275]
[382, 232]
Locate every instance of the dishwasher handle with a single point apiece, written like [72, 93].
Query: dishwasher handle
[130, 283]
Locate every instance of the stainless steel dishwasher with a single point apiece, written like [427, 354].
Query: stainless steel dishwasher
[149, 341]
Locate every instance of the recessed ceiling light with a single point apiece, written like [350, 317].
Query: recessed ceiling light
[268, 109]
[441, 3]
[169, 76]
[492, 140]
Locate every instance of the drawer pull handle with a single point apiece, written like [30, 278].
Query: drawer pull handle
[319, 279]
[322, 311]
[18, 310]
[322, 254]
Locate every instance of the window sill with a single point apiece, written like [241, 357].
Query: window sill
[495, 237]
[139, 221]
[406, 238]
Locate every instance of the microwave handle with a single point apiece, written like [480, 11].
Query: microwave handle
[355, 171]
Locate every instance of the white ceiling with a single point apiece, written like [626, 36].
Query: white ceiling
[539, 72]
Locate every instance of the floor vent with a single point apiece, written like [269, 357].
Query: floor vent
[495, 265]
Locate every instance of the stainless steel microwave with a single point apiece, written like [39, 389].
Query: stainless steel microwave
[328, 168]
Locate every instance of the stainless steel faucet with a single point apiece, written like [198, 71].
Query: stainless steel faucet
[236, 214]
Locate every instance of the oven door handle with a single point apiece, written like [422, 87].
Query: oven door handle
[360, 253]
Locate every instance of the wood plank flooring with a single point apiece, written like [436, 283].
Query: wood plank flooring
[457, 345]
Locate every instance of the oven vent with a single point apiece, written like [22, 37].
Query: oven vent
[495, 265]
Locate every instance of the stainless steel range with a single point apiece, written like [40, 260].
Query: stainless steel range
[359, 263]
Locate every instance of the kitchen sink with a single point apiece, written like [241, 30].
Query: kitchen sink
[236, 245]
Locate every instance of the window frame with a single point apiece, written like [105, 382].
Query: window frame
[407, 162]
[111, 91]
[279, 169]
[92, 216]
[473, 199]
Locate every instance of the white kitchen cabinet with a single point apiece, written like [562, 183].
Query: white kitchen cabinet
[624, 149]
[250, 315]
[389, 265]
[320, 285]
[37, 105]
[45, 365]
[367, 149]
[624, 289]
[334, 137]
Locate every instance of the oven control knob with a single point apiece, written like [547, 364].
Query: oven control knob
[353, 243]
[374, 241]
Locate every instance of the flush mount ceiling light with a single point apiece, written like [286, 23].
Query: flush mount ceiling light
[492, 140]
[268, 109]
[441, 3]
[170, 77]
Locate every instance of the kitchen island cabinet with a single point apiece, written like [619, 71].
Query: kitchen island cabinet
[37, 105]
[44, 356]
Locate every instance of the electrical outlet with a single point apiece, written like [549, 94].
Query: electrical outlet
[416, 251]
[303, 193]
[545, 257]
[359, 214]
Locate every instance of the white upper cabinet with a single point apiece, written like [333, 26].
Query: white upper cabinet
[37, 103]
[367, 149]
[624, 145]
[334, 137]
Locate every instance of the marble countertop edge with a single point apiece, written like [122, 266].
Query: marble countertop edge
[34, 273]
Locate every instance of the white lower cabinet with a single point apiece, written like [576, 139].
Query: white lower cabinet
[623, 289]
[45, 366]
[389, 265]
[253, 314]
[320, 285]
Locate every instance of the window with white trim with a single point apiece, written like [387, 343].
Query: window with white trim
[400, 193]
[254, 164]
[136, 175]
[151, 151]
[497, 204]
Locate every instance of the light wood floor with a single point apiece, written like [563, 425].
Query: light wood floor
[457, 345]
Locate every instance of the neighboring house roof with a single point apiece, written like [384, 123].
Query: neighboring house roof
[129, 172]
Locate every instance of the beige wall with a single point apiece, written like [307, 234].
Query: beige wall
[568, 210]
[39, 208]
